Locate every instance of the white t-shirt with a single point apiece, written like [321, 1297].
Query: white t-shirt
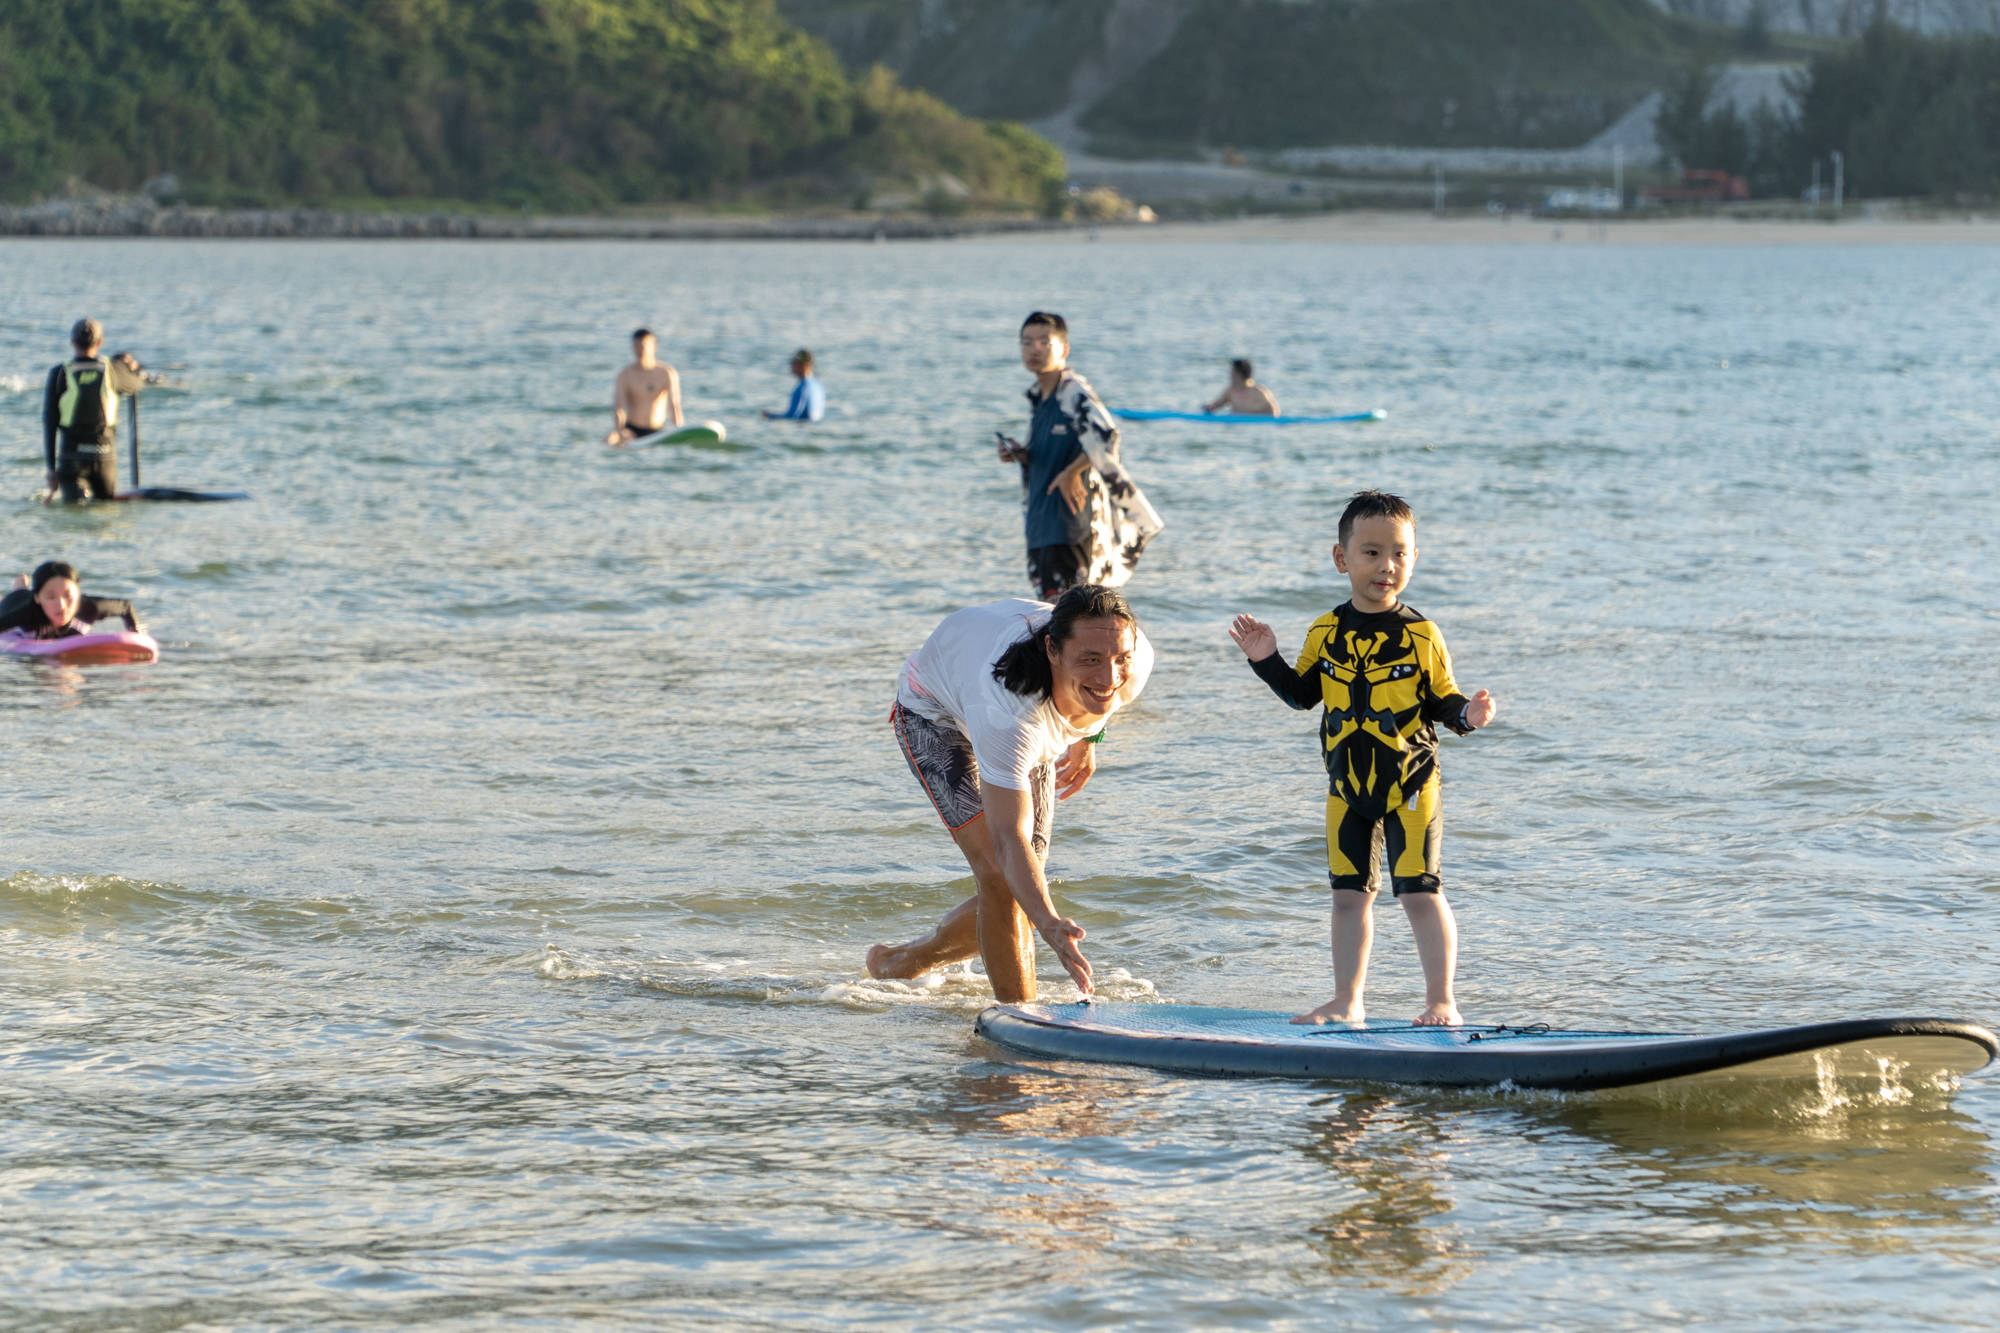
[950, 681]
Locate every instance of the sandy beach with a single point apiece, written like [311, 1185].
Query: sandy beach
[1396, 228]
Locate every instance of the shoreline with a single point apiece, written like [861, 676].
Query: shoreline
[126, 218]
[129, 218]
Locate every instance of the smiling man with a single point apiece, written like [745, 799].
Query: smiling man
[997, 715]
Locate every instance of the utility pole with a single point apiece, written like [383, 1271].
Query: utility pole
[1839, 181]
[1812, 209]
[1618, 174]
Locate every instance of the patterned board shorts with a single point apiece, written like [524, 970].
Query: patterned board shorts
[941, 757]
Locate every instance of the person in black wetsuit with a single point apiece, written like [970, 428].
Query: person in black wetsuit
[80, 411]
[52, 606]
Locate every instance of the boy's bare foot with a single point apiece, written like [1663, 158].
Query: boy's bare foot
[22, 581]
[1440, 1016]
[1335, 1012]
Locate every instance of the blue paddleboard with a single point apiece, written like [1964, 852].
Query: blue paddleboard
[1188, 1039]
[1234, 419]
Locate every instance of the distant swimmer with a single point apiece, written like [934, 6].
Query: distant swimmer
[998, 715]
[808, 397]
[1244, 397]
[80, 414]
[648, 393]
[49, 604]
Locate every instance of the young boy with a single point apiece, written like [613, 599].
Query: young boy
[1382, 672]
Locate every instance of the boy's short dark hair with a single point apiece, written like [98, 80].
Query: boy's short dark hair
[51, 569]
[1241, 365]
[804, 357]
[1054, 321]
[637, 334]
[1373, 504]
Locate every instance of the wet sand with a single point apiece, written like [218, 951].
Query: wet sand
[1394, 228]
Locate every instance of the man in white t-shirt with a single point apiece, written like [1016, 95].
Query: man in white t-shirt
[997, 714]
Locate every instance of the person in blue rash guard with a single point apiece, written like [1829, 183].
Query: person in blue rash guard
[808, 397]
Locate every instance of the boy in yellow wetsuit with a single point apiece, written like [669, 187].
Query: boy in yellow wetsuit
[1382, 673]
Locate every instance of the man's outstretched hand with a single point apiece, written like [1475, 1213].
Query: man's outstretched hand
[1062, 935]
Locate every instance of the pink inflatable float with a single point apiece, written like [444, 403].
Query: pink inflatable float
[82, 649]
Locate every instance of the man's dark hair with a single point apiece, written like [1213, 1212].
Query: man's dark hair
[637, 334]
[1373, 504]
[51, 569]
[1024, 668]
[1055, 323]
[1241, 365]
[85, 333]
[804, 358]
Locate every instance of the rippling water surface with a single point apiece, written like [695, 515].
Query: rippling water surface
[461, 924]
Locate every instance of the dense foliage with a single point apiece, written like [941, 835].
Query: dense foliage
[1268, 73]
[555, 103]
[1912, 116]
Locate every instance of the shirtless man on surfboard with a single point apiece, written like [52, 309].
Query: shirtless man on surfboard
[1244, 397]
[648, 393]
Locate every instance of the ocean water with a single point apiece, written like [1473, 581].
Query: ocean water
[461, 925]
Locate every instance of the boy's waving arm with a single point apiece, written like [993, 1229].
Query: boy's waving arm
[1259, 643]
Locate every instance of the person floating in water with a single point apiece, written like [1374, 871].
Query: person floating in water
[80, 417]
[996, 714]
[647, 395]
[1244, 397]
[1086, 521]
[49, 604]
[1381, 671]
[808, 396]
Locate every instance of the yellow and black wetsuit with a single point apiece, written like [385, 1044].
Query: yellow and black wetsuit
[1385, 680]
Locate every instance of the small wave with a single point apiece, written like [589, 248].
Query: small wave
[105, 892]
[959, 987]
[13, 383]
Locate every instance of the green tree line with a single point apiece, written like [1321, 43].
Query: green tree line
[1913, 116]
[550, 103]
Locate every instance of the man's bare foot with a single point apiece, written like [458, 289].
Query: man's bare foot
[1440, 1016]
[1335, 1012]
[883, 962]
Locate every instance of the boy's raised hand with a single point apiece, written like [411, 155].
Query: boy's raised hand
[1257, 640]
[1479, 709]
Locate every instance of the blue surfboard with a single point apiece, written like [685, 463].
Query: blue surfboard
[1234, 419]
[1257, 1043]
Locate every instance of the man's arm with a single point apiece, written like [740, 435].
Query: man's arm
[51, 414]
[1010, 817]
[127, 375]
[673, 396]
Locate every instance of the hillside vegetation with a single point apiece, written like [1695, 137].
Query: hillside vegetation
[1911, 115]
[1430, 73]
[1287, 73]
[549, 103]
